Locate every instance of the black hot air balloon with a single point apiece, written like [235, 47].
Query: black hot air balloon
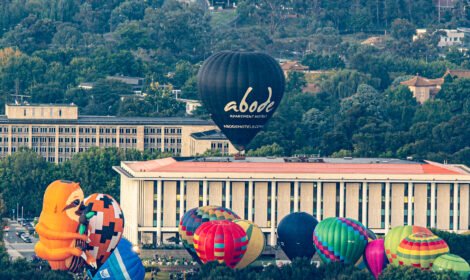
[241, 90]
[295, 235]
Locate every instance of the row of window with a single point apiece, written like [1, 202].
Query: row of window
[90, 130]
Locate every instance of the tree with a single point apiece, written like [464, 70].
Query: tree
[402, 29]
[295, 82]
[24, 177]
[266, 151]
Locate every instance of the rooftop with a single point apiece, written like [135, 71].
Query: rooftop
[111, 120]
[279, 165]
[209, 135]
[419, 81]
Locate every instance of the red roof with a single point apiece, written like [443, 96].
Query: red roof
[171, 165]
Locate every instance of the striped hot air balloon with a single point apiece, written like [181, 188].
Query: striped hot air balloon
[195, 217]
[221, 241]
[370, 237]
[452, 262]
[340, 240]
[420, 250]
[256, 242]
[395, 236]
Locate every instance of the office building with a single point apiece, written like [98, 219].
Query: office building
[57, 132]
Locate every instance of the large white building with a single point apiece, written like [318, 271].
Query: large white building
[381, 193]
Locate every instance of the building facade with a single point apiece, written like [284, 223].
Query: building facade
[57, 132]
[380, 193]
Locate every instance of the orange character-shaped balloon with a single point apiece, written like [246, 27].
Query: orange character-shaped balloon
[58, 223]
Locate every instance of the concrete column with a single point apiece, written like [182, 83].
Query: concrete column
[163, 139]
[30, 136]
[296, 196]
[204, 193]
[227, 194]
[273, 213]
[319, 199]
[182, 210]
[341, 198]
[56, 145]
[9, 140]
[118, 135]
[250, 201]
[410, 203]
[464, 197]
[387, 206]
[433, 205]
[364, 203]
[159, 211]
[456, 207]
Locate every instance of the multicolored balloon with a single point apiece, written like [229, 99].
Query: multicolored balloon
[195, 217]
[123, 264]
[452, 262]
[374, 256]
[420, 250]
[294, 235]
[340, 240]
[256, 242]
[105, 227]
[221, 241]
[395, 236]
[360, 262]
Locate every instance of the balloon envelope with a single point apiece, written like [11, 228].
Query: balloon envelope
[340, 240]
[241, 90]
[295, 232]
[452, 262]
[420, 250]
[374, 256]
[370, 236]
[395, 236]
[105, 227]
[123, 264]
[221, 241]
[256, 242]
[195, 217]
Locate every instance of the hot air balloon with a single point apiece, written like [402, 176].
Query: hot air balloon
[241, 90]
[395, 236]
[221, 241]
[452, 262]
[294, 234]
[193, 218]
[340, 240]
[123, 264]
[374, 256]
[420, 250]
[370, 236]
[256, 242]
[104, 228]
[58, 224]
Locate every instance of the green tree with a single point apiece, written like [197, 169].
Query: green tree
[402, 29]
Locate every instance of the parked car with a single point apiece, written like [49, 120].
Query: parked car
[25, 238]
[6, 228]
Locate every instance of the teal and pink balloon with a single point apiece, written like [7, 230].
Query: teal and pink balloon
[340, 240]
[452, 262]
[375, 258]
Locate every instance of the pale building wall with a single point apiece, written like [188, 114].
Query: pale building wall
[398, 204]
[443, 206]
[306, 197]
[329, 200]
[169, 204]
[192, 194]
[464, 206]
[148, 198]
[261, 203]
[186, 132]
[215, 193]
[47, 112]
[352, 200]
[283, 200]
[129, 200]
[420, 204]
[374, 205]
[238, 198]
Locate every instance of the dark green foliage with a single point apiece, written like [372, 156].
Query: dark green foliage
[458, 243]
[413, 273]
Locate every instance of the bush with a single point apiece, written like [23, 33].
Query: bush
[459, 244]
[413, 273]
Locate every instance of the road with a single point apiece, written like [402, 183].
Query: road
[16, 246]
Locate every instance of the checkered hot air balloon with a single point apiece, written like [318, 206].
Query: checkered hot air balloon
[221, 241]
[195, 217]
[340, 240]
[395, 236]
[420, 250]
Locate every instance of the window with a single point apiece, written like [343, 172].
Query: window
[24, 112]
[60, 113]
